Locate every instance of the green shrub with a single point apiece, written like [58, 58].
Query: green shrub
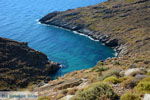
[144, 85]
[44, 98]
[148, 73]
[96, 91]
[100, 63]
[100, 69]
[110, 73]
[146, 79]
[123, 78]
[129, 1]
[112, 79]
[130, 96]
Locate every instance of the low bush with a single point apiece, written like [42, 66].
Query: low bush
[148, 73]
[123, 78]
[112, 79]
[109, 73]
[44, 98]
[130, 96]
[144, 85]
[100, 63]
[100, 68]
[96, 91]
[129, 1]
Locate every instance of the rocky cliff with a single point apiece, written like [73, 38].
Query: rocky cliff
[121, 24]
[20, 65]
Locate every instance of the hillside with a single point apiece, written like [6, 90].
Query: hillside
[121, 24]
[21, 66]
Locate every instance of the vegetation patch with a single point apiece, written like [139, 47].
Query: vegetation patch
[144, 85]
[44, 98]
[130, 96]
[112, 72]
[96, 91]
[129, 1]
[100, 68]
[112, 79]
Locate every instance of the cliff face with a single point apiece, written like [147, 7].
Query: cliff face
[121, 24]
[21, 65]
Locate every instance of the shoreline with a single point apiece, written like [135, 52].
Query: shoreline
[75, 32]
[82, 34]
[114, 24]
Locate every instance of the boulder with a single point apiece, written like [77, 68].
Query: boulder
[67, 97]
[133, 71]
[146, 97]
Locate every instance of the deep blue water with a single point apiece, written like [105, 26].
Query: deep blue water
[75, 52]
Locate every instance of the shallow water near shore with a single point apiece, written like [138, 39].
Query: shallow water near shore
[73, 51]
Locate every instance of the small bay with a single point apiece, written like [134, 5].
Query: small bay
[73, 51]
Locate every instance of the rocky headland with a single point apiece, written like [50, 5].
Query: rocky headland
[113, 23]
[21, 66]
[121, 24]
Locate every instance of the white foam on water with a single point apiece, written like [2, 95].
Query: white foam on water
[75, 32]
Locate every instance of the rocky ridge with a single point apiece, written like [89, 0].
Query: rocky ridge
[20, 65]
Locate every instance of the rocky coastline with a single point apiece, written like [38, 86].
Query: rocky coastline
[120, 24]
[84, 21]
[21, 66]
[119, 48]
[105, 39]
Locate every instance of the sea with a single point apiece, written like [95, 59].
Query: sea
[19, 21]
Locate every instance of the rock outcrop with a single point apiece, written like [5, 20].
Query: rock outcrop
[20, 65]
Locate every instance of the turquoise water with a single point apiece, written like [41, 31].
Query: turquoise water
[73, 51]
